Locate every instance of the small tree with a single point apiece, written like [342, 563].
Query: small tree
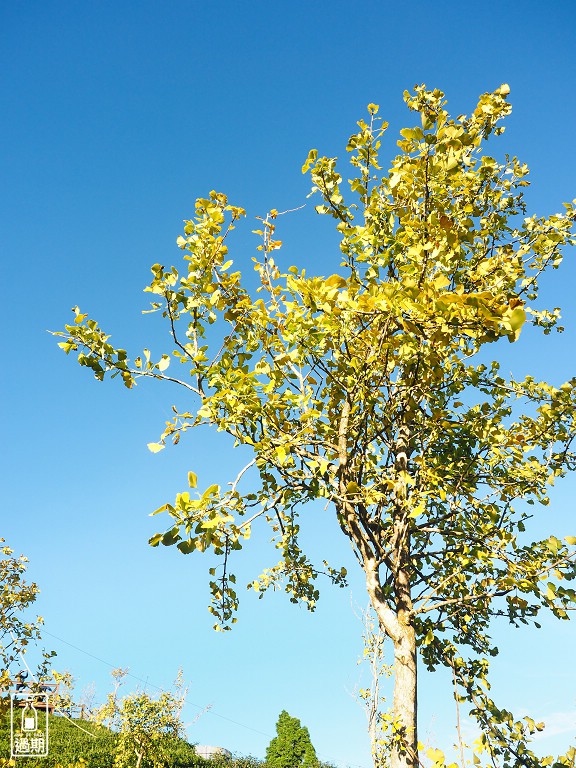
[86, 700]
[291, 747]
[371, 697]
[64, 698]
[16, 630]
[147, 727]
[373, 389]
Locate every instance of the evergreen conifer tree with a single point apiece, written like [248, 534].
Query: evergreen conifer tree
[291, 747]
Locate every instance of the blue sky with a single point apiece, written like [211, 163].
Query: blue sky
[116, 116]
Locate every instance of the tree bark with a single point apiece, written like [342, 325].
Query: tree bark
[397, 623]
[405, 701]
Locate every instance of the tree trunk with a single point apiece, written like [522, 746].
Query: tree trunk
[405, 701]
[397, 624]
[399, 628]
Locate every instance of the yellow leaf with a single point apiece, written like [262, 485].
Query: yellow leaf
[282, 453]
[312, 157]
[335, 281]
[451, 161]
[441, 282]
[163, 363]
[155, 447]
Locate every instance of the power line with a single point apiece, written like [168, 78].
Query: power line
[162, 690]
[55, 707]
[157, 687]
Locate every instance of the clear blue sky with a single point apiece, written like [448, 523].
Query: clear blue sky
[116, 115]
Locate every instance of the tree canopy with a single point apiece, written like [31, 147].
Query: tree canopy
[374, 389]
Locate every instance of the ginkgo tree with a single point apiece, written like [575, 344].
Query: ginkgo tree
[18, 629]
[150, 730]
[374, 389]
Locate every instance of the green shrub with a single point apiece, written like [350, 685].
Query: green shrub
[71, 747]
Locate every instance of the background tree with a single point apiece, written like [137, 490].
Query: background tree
[86, 700]
[374, 391]
[291, 747]
[17, 630]
[370, 697]
[148, 728]
[63, 699]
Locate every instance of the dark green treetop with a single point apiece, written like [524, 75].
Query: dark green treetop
[291, 747]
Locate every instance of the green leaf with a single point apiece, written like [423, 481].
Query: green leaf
[429, 638]
[517, 318]
[170, 537]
